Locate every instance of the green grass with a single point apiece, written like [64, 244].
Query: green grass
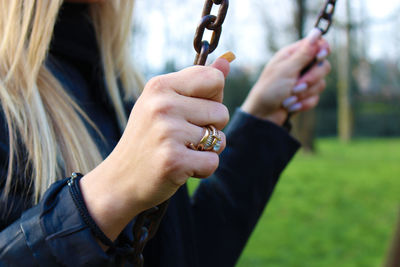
[335, 208]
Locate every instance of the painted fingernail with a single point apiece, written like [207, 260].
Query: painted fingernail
[230, 56]
[300, 88]
[321, 63]
[322, 54]
[289, 101]
[314, 35]
[295, 107]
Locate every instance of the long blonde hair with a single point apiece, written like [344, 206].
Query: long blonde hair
[39, 113]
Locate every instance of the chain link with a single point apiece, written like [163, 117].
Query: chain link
[325, 18]
[324, 22]
[145, 227]
[212, 23]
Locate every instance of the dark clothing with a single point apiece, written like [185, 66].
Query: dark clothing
[209, 229]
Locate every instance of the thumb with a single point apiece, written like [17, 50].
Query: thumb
[307, 50]
[222, 63]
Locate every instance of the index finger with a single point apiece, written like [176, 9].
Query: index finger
[205, 82]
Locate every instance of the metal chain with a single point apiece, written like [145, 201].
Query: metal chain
[145, 227]
[147, 222]
[324, 22]
[325, 18]
[212, 23]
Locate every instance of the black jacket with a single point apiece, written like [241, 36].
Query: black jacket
[209, 229]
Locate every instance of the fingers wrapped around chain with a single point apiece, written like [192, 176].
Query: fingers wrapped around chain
[310, 85]
[204, 112]
[314, 76]
[310, 102]
[305, 100]
[315, 89]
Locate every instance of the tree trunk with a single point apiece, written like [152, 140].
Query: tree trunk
[344, 84]
[304, 123]
[393, 257]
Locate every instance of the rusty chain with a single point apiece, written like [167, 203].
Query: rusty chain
[325, 18]
[324, 22]
[147, 222]
[212, 23]
[145, 227]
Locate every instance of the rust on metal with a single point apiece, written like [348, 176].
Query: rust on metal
[211, 23]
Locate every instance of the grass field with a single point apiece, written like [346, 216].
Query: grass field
[335, 208]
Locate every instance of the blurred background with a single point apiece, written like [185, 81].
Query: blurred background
[337, 204]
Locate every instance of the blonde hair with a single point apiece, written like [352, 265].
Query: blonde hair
[41, 118]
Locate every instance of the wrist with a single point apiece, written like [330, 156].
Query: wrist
[110, 207]
[278, 117]
[258, 106]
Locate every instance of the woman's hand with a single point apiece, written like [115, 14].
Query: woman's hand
[280, 89]
[152, 159]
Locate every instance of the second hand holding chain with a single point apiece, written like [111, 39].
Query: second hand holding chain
[324, 22]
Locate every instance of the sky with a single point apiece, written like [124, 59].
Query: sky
[166, 29]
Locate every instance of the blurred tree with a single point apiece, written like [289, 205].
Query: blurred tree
[237, 87]
[344, 83]
[393, 257]
[305, 122]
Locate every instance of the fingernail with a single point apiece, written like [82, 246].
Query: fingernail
[321, 63]
[300, 88]
[314, 35]
[322, 54]
[295, 107]
[289, 101]
[230, 56]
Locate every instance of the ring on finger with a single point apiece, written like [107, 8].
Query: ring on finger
[211, 140]
[217, 140]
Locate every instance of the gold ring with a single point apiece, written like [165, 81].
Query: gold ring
[204, 141]
[211, 140]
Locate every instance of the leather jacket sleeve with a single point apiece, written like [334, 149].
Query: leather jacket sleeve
[51, 233]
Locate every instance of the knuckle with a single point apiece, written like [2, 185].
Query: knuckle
[156, 84]
[160, 107]
[223, 114]
[212, 163]
[218, 113]
[220, 79]
[322, 85]
[215, 77]
[315, 101]
[313, 77]
[308, 52]
[165, 132]
[170, 161]
[328, 67]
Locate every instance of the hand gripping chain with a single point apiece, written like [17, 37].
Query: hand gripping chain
[147, 222]
[323, 23]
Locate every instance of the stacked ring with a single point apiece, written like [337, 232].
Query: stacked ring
[211, 140]
[217, 141]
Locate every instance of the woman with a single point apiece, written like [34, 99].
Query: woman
[60, 115]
